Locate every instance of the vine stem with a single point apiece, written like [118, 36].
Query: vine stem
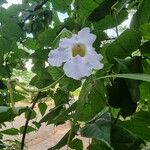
[38, 90]
[27, 121]
[35, 100]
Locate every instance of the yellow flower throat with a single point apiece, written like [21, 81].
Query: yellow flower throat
[78, 49]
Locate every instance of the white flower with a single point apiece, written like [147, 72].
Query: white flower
[77, 54]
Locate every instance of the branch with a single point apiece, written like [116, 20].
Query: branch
[28, 118]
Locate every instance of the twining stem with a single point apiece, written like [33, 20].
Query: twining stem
[32, 107]
[28, 118]
[38, 90]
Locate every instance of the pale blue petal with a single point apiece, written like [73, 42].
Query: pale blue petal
[84, 36]
[57, 57]
[67, 43]
[77, 68]
[94, 60]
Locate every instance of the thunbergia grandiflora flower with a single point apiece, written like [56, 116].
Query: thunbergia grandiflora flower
[77, 55]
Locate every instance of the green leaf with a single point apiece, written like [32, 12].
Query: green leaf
[29, 129]
[7, 114]
[144, 87]
[91, 99]
[119, 96]
[145, 31]
[134, 76]
[33, 114]
[66, 83]
[142, 15]
[41, 80]
[64, 115]
[102, 10]
[62, 6]
[139, 125]
[64, 140]
[18, 97]
[123, 45]
[61, 97]
[47, 37]
[145, 49]
[12, 30]
[51, 114]
[31, 43]
[42, 108]
[109, 21]
[76, 144]
[99, 127]
[122, 139]
[11, 131]
[98, 145]
[85, 11]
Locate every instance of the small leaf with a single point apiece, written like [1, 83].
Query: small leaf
[11, 131]
[64, 140]
[76, 144]
[29, 129]
[51, 114]
[42, 108]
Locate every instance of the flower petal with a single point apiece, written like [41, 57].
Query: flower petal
[67, 42]
[57, 57]
[77, 68]
[94, 60]
[84, 36]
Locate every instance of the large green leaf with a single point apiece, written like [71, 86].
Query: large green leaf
[119, 96]
[142, 15]
[98, 145]
[85, 11]
[134, 76]
[99, 127]
[62, 6]
[109, 21]
[123, 139]
[145, 31]
[7, 114]
[102, 10]
[139, 124]
[41, 80]
[123, 46]
[91, 99]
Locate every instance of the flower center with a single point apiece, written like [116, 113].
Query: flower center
[78, 49]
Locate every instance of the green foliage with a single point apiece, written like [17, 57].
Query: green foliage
[111, 106]
[99, 127]
[123, 46]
